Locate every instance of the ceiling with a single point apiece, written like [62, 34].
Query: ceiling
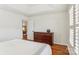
[33, 9]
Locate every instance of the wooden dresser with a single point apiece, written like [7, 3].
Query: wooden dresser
[25, 36]
[44, 37]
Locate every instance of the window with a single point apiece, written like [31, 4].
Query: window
[77, 14]
[77, 29]
[74, 27]
[77, 40]
[72, 31]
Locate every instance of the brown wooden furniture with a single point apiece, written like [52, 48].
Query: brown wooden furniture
[43, 37]
[58, 49]
[24, 29]
[25, 36]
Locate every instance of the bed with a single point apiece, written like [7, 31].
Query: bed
[24, 47]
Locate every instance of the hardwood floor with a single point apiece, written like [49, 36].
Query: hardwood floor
[59, 50]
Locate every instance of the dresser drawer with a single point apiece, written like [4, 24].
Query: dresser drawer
[43, 37]
[24, 36]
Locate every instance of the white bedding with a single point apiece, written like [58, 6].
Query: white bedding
[23, 47]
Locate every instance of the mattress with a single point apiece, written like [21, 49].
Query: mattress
[24, 47]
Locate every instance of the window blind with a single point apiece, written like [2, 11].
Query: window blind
[74, 27]
[77, 28]
[72, 18]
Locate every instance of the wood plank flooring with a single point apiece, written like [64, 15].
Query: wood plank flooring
[59, 50]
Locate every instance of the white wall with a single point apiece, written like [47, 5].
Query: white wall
[30, 28]
[10, 25]
[57, 22]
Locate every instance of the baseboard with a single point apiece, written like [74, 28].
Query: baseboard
[61, 43]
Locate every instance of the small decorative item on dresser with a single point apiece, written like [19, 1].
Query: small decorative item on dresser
[48, 30]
